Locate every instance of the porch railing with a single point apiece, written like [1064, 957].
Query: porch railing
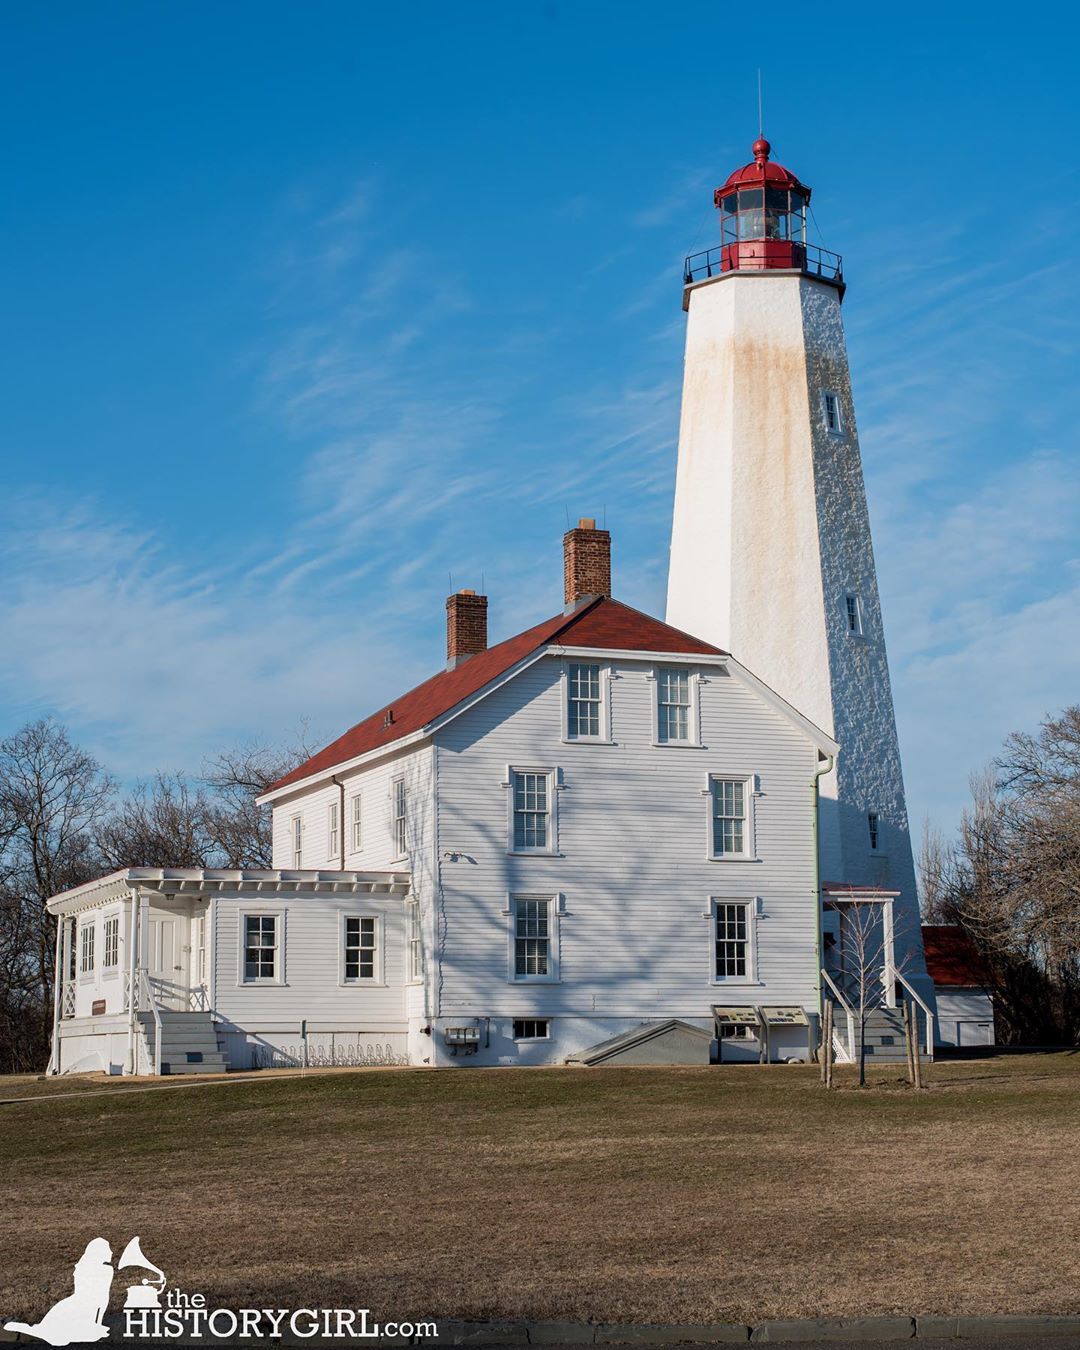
[144, 1001]
[145, 993]
[921, 1002]
[849, 1013]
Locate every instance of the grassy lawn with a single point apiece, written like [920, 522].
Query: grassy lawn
[682, 1195]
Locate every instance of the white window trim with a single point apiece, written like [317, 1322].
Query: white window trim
[394, 818]
[378, 980]
[88, 976]
[279, 912]
[414, 915]
[694, 740]
[333, 828]
[530, 1040]
[751, 791]
[838, 430]
[555, 786]
[860, 615]
[356, 822]
[556, 909]
[605, 702]
[753, 914]
[111, 972]
[294, 821]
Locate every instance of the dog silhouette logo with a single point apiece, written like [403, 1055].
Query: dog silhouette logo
[79, 1318]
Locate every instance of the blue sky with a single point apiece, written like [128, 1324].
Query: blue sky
[308, 307]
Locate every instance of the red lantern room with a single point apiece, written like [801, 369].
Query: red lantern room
[762, 216]
[763, 210]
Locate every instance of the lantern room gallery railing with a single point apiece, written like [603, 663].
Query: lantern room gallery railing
[815, 262]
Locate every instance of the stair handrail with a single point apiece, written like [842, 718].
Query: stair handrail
[901, 979]
[147, 989]
[849, 1012]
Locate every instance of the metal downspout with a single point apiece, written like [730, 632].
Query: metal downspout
[133, 950]
[341, 816]
[826, 766]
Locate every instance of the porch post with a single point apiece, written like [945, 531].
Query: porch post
[58, 975]
[133, 970]
[889, 941]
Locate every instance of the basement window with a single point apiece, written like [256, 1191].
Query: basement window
[532, 1029]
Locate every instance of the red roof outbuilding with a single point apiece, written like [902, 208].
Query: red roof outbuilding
[952, 958]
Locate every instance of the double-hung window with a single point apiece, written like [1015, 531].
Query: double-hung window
[585, 702]
[333, 833]
[111, 942]
[361, 947]
[731, 940]
[532, 789]
[414, 941]
[296, 835]
[86, 949]
[533, 938]
[260, 947]
[730, 820]
[356, 822]
[830, 406]
[673, 707]
[873, 830]
[400, 818]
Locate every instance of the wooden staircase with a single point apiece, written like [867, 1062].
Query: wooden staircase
[189, 1043]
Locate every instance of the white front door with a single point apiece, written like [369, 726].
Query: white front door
[165, 962]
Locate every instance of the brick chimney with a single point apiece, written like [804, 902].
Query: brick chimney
[586, 563]
[466, 626]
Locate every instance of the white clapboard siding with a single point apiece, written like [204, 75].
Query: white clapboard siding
[633, 822]
[374, 785]
[310, 937]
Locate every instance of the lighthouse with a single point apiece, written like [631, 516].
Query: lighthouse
[771, 554]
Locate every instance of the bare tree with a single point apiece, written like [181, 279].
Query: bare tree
[53, 795]
[164, 823]
[242, 830]
[1012, 881]
[862, 953]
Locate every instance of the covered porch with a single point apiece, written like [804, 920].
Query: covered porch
[864, 972]
[135, 958]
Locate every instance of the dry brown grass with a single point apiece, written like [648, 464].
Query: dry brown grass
[608, 1194]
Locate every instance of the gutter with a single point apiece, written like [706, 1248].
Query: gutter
[824, 767]
[341, 816]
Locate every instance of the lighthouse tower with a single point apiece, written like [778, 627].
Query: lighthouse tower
[771, 556]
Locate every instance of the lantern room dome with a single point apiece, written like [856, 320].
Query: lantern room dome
[762, 172]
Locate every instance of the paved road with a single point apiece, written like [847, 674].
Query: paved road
[921, 1343]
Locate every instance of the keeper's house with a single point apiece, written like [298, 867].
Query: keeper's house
[600, 830]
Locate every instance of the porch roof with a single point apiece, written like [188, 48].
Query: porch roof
[176, 881]
[849, 890]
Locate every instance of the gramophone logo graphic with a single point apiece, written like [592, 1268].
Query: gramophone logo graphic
[79, 1318]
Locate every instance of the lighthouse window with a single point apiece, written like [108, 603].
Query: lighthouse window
[854, 614]
[831, 405]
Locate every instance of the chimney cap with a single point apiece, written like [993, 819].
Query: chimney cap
[466, 590]
[587, 523]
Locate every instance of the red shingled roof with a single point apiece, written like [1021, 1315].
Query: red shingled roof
[951, 956]
[603, 623]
